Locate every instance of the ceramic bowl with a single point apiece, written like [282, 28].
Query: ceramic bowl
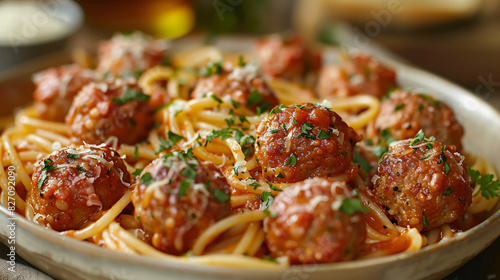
[66, 258]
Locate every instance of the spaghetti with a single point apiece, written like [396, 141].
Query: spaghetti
[218, 131]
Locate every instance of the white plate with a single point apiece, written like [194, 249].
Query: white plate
[66, 258]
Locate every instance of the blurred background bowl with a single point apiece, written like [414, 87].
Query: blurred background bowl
[34, 28]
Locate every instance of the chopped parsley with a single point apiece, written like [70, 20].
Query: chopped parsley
[212, 68]
[352, 205]
[305, 129]
[269, 259]
[369, 142]
[362, 162]
[216, 98]
[399, 107]
[442, 159]
[220, 195]
[136, 151]
[169, 143]
[235, 104]
[274, 188]
[131, 95]
[429, 99]
[137, 171]
[280, 175]
[147, 179]
[273, 131]
[183, 188]
[46, 166]
[387, 137]
[267, 200]
[488, 186]
[292, 160]
[72, 156]
[241, 62]
[80, 169]
[323, 135]
[277, 109]
[254, 98]
[449, 191]
[424, 218]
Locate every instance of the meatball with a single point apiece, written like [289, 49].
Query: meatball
[423, 184]
[308, 223]
[403, 114]
[109, 109]
[55, 89]
[356, 75]
[297, 142]
[242, 84]
[127, 54]
[285, 56]
[177, 198]
[71, 187]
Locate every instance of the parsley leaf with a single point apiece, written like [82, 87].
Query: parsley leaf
[277, 109]
[136, 151]
[399, 107]
[274, 188]
[241, 63]
[72, 156]
[147, 179]
[362, 162]
[167, 144]
[137, 171]
[424, 218]
[419, 137]
[488, 186]
[292, 160]
[267, 200]
[429, 99]
[220, 195]
[352, 205]
[254, 98]
[183, 188]
[323, 135]
[449, 191]
[216, 99]
[130, 95]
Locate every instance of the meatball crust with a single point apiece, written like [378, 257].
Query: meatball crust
[427, 179]
[285, 56]
[55, 89]
[298, 142]
[126, 54]
[238, 84]
[307, 225]
[355, 75]
[72, 186]
[403, 114]
[177, 198]
[109, 109]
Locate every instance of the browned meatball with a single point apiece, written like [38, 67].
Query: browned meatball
[285, 56]
[109, 109]
[177, 198]
[242, 84]
[424, 185]
[403, 114]
[72, 186]
[56, 88]
[309, 224]
[297, 142]
[356, 75]
[126, 54]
